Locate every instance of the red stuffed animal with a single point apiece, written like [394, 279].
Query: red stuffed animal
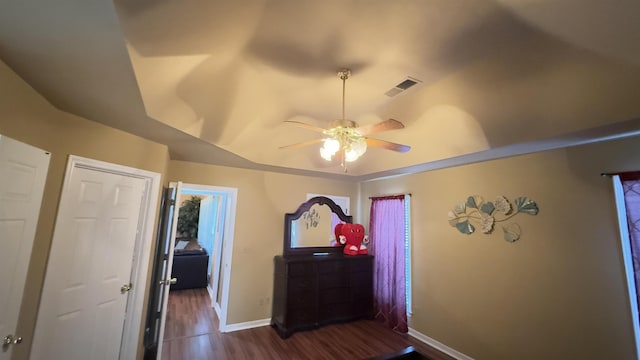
[353, 237]
[338, 231]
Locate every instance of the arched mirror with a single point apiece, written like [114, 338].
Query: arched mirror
[309, 229]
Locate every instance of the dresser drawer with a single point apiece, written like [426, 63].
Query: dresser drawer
[301, 291]
[358, 264]
[363, 308]
[335, 312]
[301, 298]
[362, 292]
[301, 284]
[362, 277]
[302, 269]
[332, 267]
[301, 317]
[334, 295]
[332, 280]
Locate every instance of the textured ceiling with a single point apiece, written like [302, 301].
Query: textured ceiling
[215, 80]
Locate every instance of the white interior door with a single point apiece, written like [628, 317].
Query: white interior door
[82, 309]
[158, 276]
[166, 280]
[23, 171]
[206, 228]
[217, 253]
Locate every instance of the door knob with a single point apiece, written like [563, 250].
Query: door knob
[169, 282]
[125, 288]
[10, 340]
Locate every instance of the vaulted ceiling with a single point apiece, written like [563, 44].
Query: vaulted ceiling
[216, 80]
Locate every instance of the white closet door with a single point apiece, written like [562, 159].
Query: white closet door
[23, 171]
[82, 310]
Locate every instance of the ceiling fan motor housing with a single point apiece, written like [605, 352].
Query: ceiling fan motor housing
[344, 74]
[343, 123]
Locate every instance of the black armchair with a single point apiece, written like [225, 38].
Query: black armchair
[190, 269]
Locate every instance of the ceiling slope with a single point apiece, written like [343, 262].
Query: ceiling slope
[216, 81]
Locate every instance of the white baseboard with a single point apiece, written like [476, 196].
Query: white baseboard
[247, 325]
[438, 345]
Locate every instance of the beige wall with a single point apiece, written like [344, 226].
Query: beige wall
[27, 117]
[263, 199]
[559, 292]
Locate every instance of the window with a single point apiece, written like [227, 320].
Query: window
[407, 255]
[627, 192]
[390, 246]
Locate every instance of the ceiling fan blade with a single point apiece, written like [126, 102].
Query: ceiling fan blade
[298, 145]
[386, 125]
[387, 145]
[306, 126]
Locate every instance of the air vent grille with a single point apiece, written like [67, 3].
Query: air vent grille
[406, 84]
[393, 92]
[402, 86]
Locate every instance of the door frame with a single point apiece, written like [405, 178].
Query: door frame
[231, 195]
[142, 248]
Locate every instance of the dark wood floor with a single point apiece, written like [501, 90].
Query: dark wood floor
[191, 333]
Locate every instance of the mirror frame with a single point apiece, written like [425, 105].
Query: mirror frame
[304, 207]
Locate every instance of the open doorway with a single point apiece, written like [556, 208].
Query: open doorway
[201, 224]
[216, 223]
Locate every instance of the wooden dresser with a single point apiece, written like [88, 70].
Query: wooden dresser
[310, 291]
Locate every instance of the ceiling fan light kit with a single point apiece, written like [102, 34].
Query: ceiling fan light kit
[345, 138]
[342, 134]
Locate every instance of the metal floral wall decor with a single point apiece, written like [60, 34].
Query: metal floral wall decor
[485, 215]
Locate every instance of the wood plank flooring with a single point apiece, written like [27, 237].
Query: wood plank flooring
[189, 313]
[191, 333]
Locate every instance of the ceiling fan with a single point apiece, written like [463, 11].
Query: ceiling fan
[345, 138]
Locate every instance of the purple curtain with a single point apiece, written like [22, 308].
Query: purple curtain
[631, 187]
[387, 238]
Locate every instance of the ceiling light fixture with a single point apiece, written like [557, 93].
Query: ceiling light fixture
[343, 136]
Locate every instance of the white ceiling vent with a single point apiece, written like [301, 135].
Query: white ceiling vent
[402, 86]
